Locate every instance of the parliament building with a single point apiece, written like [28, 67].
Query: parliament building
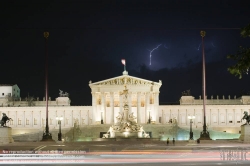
[29, 115]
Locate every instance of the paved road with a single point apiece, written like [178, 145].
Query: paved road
[127, 153]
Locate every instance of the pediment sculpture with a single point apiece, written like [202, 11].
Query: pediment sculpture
[127, 81]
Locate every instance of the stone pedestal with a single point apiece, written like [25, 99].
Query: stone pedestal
[139, 134]
[192, 141]
[63, 101]
[6, 135]
[245, 133]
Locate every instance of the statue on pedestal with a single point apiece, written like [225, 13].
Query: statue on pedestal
[126, 125]
[61, 94]
[246, 117]
[4, 120]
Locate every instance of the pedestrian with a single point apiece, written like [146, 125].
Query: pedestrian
[198, 141]
[173, 141]
[167, 141]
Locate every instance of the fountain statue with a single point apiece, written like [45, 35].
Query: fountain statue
[126, 125]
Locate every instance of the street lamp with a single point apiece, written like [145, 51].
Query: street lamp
[60, 133]
[46, 136]
[204, 134]
[191, 132]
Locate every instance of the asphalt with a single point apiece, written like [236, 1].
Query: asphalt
[128, 152]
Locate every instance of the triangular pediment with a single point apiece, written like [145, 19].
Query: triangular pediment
[126, 80]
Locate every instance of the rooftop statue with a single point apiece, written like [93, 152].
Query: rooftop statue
[186, 93]
[61, 94]
[5, 119]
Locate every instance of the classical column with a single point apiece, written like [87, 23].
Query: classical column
[156, 105]
[32, 120]
[24, 120]
[210, 117]
[80, 119]
[17, 121]
[102, 106]
[138, 107]
[170, 116]
[186, 117]
[120, 102]
[88, 117]
[73, 119]
[130, 102]
[194, 121]
[163, 117]
[218, 119]
[93, 107]
[146, 106]
[41, 119]
[226, 117]
[178, 117]
[64, 117]
[234, 119]
[112, 107]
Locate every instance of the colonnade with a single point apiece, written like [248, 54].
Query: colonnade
[149, 101]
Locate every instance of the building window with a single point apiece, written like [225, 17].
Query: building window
[19, 121]
[238, 121]
[151, 101]
[198, 119]
[27, 122]
[215, 119]
[35, 121]
[222, 118]
[83, 121]
[108, 104]
[183, 119]
[116, 104]
[230, 121]
[42, 121]
[99, 102]
[2, 94]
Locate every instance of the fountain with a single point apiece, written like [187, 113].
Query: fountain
[126, 126]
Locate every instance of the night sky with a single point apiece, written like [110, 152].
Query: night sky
[89, 38]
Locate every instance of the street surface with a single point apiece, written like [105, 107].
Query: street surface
[126, 153]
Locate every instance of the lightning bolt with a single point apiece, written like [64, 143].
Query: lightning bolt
[150, 55]
[199, 47]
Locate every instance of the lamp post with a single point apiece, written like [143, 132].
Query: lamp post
[60, 133]
[46, 136]
[191, 132]
[204, 134]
